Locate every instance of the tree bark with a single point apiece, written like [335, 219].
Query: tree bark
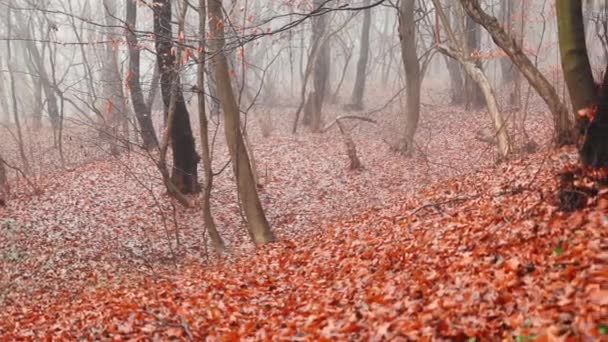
[142, 110]
[216, 239]
[4, 187]
[258, 226]
[477, 75]
[360, 78]
[573, 50]
[561, 119]
[116, 109]
[474, 94]
[407, 33]
[321, 68]
[185, 159]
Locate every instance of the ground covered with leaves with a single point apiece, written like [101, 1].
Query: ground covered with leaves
[443, 245]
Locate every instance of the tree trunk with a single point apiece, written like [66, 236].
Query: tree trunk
[4, 187]
[259, 229]
[359, 88]
[142, 110]
[116, 109]
[456, 82]
[185, 159]
[562, 124]
[407, 33]
[216, 239]
[47, 85]
[477, 75]
[474, 94]
[154, 85]
[16, 115]
[575, 60]
[321, 67]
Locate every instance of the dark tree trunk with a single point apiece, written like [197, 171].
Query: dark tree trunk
[185, 159]
[142, 110]
[359, 88]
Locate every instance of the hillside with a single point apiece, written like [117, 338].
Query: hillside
[485, 256]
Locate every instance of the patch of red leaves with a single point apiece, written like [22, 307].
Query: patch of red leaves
[485, 256]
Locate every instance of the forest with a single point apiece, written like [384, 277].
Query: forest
[304, 170]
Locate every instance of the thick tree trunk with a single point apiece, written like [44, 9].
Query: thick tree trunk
[259, 229]
[407, 33]
[360, 78]
[562, 123]
[575, 60]
[216, 239]
[185, 159]
[142, 110]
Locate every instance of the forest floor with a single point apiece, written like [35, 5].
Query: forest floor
[446, 244]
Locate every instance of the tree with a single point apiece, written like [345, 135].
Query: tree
[185, 159]
[456, 49]
[473, 94]
[359, 88]
[591, 109]
[259, 228]
[4, 188]
[216, 239]
[141, 108]
[113, 95]
[320, 68]
[407, 35]
[561, 119]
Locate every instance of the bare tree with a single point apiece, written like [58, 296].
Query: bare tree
[259, 228]
[359, 88]
[141, 108]
[561, 118]
[456, 48]
[185, 159]
[407, 35]
[216, 239]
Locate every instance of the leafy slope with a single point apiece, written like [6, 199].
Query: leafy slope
[485, 256]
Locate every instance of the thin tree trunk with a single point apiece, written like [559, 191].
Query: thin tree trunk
[477, 75]
[456, 82]
[185, 159]
[259, 229]
[474, 95]
[360, 78]
[407, 33]
[216, 239]
[142, 110]
[154, 85]
[16, 116]
[320, 68]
